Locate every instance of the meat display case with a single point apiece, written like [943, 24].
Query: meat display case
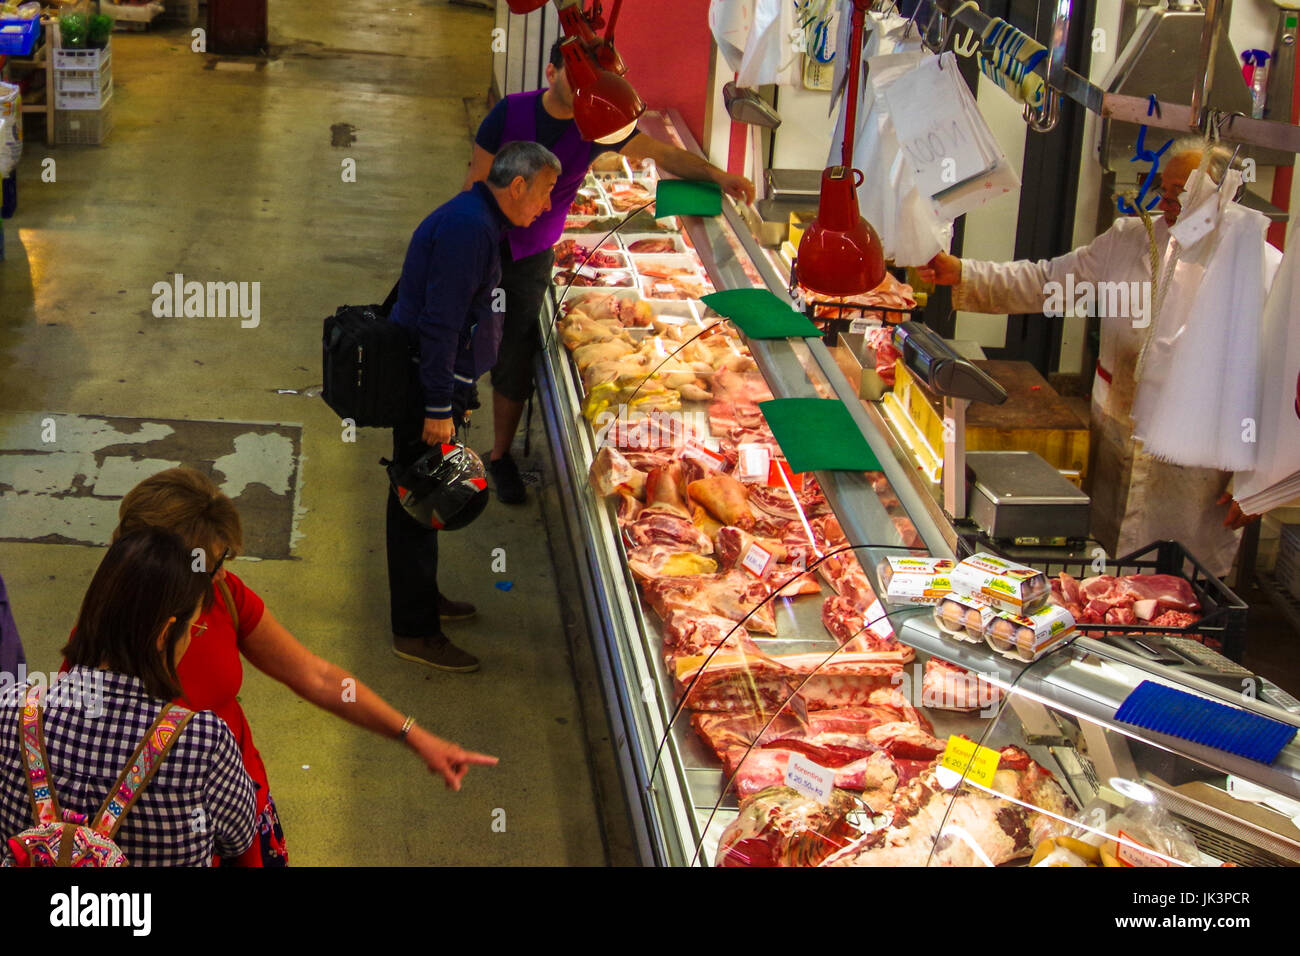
[1057, 713]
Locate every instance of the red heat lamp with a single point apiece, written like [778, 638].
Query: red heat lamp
[524, 7]
[840, 253]
[582, 27]
[605, 106]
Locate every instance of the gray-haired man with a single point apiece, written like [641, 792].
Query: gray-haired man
[446, 298]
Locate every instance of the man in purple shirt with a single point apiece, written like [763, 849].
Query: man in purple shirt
[448, 300]
[546, 116]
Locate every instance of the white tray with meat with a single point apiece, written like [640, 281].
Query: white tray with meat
[575, 249]
[651, 244]
[625, 195]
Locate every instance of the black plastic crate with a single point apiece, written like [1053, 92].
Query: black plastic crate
[1223, 614]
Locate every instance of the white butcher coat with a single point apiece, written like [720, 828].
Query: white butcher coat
[1136, 499]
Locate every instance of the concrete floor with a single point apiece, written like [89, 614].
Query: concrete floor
[230, 175]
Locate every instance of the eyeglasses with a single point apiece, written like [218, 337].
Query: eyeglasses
[220, 561]
[196, 630]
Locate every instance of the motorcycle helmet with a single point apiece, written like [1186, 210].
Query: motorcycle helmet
[445, 488]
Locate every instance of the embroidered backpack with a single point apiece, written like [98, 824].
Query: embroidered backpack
[62, 837]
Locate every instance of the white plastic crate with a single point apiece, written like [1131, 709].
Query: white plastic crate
[131, 16]
[84, 127]
[83, 81]
[80, 60]
[83, 99]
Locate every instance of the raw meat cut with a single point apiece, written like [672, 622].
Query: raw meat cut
[665, 491]
[1127, 601]
[611, 474]
[732, 595]
[732, 543]
[843, 618]
[782, 827]
[656, 527]
[735, 682]
[928, 819]
[687, 633]
[725, 498]
[658, 560]
[651, 246]
[949, 687]
[874, 774]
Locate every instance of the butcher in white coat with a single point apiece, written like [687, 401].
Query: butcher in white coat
[1136, 499]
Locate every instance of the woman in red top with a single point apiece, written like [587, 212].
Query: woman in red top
[236, 622]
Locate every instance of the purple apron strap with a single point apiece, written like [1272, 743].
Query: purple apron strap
[574, 154]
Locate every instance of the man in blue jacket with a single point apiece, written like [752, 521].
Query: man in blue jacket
[449, 298]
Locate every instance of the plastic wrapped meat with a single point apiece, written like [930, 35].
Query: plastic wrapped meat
[782, 827]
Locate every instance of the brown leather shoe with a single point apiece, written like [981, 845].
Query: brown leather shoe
[437, 652]
[450, 610]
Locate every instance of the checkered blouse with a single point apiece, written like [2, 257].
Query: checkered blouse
[199, 803]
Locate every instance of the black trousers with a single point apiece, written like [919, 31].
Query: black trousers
[412, 547]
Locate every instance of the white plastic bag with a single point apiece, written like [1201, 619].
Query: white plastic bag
[11, 128]
[955, 157]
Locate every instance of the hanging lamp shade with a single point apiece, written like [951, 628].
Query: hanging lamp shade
[605, 106]
[840, 254]
[523, 7]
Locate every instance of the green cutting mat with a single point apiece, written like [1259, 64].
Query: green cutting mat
[761, 315]
[817, 434]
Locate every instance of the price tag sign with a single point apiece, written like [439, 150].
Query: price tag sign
[962, 753]
[708, 459]
[756, 560]
[587, 271]
[775, 468]
[808, 778]
[753, 462]
[1133, 856]
[861, 326]
[665, 288]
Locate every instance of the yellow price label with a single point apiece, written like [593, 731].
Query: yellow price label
[961, 754]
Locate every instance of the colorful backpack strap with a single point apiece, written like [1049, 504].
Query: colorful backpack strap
[144, 763]
[229, 600]
[45, 808]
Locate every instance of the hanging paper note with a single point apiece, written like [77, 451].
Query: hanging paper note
[687, 197]
[760, 314]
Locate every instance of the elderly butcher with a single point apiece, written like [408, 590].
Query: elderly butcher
[1136, 499]
[446, 299]
[546, 116]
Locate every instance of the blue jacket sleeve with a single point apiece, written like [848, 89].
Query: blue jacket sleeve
[462, 257]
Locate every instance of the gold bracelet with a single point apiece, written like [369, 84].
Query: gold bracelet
[407, 725]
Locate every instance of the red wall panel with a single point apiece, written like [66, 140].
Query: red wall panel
[665, 45]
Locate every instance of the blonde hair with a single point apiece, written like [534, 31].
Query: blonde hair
[187, 503]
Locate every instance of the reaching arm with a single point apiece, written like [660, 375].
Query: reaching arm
[278, 654]
[480, 164]
[687, 165]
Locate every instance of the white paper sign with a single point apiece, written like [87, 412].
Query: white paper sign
[753, 462]
[756, 560]
[808, 778]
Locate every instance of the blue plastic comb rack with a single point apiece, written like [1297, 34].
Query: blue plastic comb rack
[1157, 707]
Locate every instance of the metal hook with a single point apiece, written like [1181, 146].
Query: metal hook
[1043, 119]
[907, 30]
